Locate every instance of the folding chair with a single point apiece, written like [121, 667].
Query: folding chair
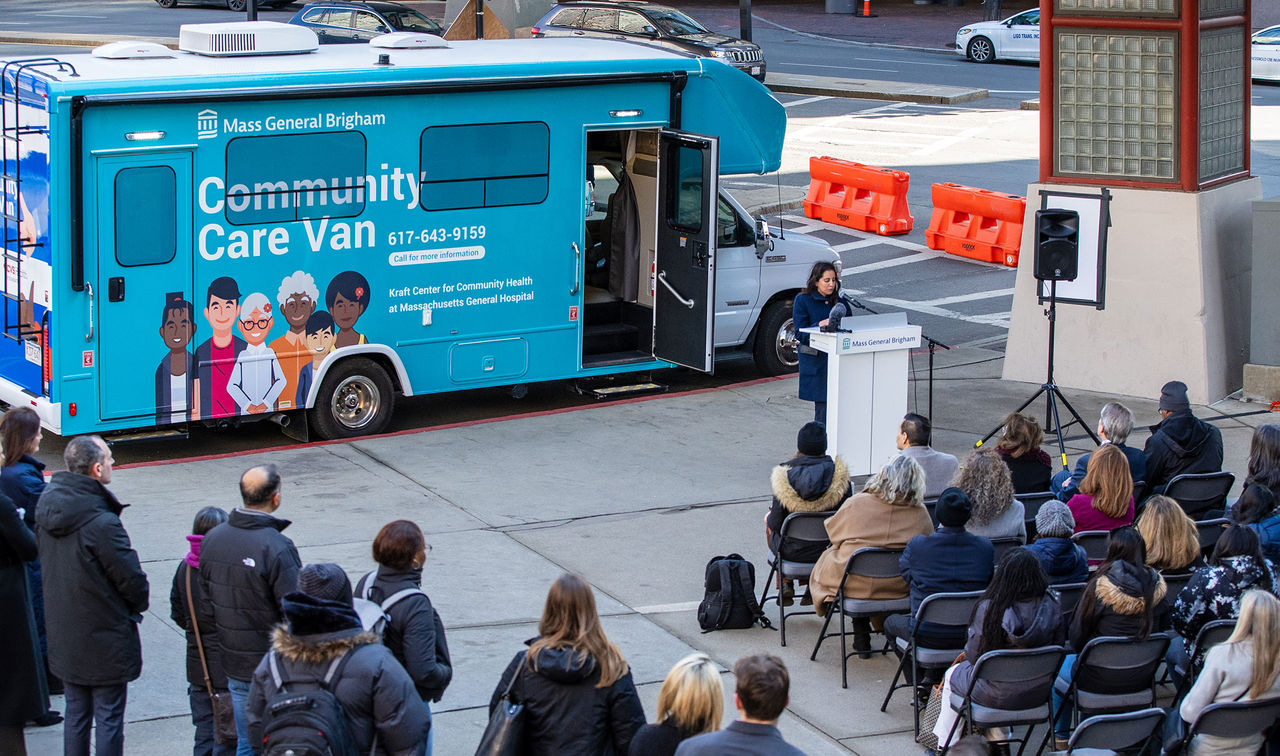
[1209, 531]
[1094, 543]
[1031, 503]
[1136, 659]
[1140, 493]
[1068, 596]
[869, 563]
[1201, 495]
[1004, 545]
[1011, 666]
[1229, 720]
[1210, 635]
[1117, 732]
[931, 505]
[798, 528]
[1174, 583]
[940, 609]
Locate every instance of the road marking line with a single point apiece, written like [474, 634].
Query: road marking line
[683, 606]
[970, 297]
[870, 241]
[809, 225]
[65, 15]
[997, 320]
[891, 263]
[806, 101]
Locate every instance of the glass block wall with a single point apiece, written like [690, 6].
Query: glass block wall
[1149, 8]
[1116, 104]
[1222, 102]
[1216, 8]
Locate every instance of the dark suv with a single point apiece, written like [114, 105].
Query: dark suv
[649, 22]
[342, 21]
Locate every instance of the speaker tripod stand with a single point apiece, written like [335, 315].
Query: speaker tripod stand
[1049, 389]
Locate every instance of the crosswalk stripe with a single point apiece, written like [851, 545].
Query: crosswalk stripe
[973, 297]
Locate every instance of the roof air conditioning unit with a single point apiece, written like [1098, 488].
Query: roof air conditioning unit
[246, 38]
[408, 41]
[126, 49]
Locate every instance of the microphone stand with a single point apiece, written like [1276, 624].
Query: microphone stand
[934, 345]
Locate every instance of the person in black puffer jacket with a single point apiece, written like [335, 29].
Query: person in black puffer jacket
[1180, 443]
[811, 481]
[414, 633]
[575, 685]
[377, 695]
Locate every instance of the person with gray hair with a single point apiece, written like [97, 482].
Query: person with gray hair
[297, 298]
[95, 593]
[1063, 560]
[1115, 423]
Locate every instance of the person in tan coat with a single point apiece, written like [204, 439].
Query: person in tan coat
[886, 514]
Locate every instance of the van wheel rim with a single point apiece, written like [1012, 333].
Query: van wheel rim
[356, 402]
[786, 345]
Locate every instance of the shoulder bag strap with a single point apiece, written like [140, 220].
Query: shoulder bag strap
[523, 661]
[367, 582]
[195, 629]
[395, 597]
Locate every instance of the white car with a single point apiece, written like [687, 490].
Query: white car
[1266, 54]
[1015, 38]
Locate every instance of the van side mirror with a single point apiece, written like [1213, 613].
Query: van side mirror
[764, 242]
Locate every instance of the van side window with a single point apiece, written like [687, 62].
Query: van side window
[146, 215]
[484, 165]
[686, 212]
[271, 179]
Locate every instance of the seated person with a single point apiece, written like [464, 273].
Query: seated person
[1105, 501]
[1019, 447]
[1115, 423]
[810, 481]
[1256, 508]
[987, 483]
[948, 560]
[1062, 559]
[1180, 442]
[1173, 545]
[1264, 458]
[914, 436]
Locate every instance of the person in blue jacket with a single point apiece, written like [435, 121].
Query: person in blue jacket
[812, 307]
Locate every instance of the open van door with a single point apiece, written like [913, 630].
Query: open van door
[684, 275]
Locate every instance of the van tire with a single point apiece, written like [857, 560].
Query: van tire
[776, 346]
[355, 399]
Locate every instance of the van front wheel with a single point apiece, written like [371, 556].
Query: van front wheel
[776, 345]
[355, 399]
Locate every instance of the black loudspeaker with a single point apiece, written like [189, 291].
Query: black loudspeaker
[1057, 245]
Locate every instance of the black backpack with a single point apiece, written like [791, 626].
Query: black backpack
[304, 718]
[730, 601]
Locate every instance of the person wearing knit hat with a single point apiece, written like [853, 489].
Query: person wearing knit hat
[811, 481]
[321, 626]
[1063, 560]
[1180, 443]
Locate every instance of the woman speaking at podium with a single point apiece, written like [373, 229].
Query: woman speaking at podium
[812, 307]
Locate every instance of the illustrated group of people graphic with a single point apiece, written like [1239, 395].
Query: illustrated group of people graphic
[229, 374]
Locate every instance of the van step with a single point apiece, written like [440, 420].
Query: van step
[627, 391]
[610, 337]
[151, 434]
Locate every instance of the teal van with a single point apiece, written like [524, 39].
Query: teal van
[252, 227]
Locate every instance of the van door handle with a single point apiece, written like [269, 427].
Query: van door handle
[577, 269]
[662, 279]
[89, 288]
[115, 289]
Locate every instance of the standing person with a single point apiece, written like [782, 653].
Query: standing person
[575, 685]
[22, 696]
[1062, 559]
[1105, 501]
[95, 593]
[247, 565]
[812, 307]
[810, 481]
[762, 692]
[986, 480]
[914, 436]
[1246, 667]
[690, 703]
[414, 633]
[1019, 447]
[322, 634]
[180, 603]
[1115, 423]
[22, 480]
[1180, 442]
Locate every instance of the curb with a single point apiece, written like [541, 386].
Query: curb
[865, 89]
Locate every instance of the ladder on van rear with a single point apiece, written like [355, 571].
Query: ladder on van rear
[19, 326]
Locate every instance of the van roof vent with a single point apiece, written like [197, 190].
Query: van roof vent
[246, 38]
[409, 41]
[132, 49]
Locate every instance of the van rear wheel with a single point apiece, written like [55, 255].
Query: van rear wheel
[776, 346]
[355, 399]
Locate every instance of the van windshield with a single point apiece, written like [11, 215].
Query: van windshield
[411, 20]
[676, 24]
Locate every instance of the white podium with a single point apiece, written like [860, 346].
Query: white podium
[867, 364]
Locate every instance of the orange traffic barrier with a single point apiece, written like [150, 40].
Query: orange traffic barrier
[858, 196]
[976, 223]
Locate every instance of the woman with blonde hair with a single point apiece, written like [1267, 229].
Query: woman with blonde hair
[575, 685]
[691, 702]
[1244, 668]
[1105, 501]
[1173, 545]
[986, 481]
[886, 514]
[1019, 447]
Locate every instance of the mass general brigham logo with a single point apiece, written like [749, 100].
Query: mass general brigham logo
[207, 124]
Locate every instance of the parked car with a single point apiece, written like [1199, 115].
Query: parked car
[649, 22]
[348, 22]
[1266, 54]
[1015, 38]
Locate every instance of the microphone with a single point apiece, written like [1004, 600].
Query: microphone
[839, 311]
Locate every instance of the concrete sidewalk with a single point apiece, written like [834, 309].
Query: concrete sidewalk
[634, 495]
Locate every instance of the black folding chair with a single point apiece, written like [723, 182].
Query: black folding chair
[955, 609]
[1131, 730]
[1011, 667]
[1031, 503]
[1201, 495]
[1003, 546]
[868, 563]
[1229, 720]
[798, 529]
[1209, 531]
[1137, 660]
[1174, 583]
[1094, 543]
[1210, 635]
[1068, 596]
